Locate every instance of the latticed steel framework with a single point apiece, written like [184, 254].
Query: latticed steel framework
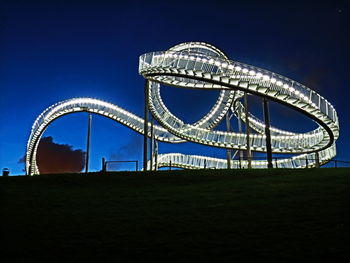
[197, 65]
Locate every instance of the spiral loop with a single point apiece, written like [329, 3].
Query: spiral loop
[197, 65]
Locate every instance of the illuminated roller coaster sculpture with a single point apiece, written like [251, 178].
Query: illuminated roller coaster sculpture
[197, 65]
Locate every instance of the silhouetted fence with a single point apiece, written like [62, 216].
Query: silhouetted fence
[307, 162]
[107, 166]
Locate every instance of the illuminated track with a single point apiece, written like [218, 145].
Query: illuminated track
[201, 66]
[85, 105]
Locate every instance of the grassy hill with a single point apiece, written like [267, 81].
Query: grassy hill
[184, 216]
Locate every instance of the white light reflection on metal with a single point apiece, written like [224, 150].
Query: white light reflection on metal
[154, 66]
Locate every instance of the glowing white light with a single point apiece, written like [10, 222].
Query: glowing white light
[265, 77]
[316, 139]
[245, 70]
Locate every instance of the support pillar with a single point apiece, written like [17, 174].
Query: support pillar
[249, 152]
[103, 165]
[317, 157]
[152, 144]
[267, 133]
[156, 155]
[145, 127]
[306, 162]
[228, 128]
[88, 144]
[240, 131]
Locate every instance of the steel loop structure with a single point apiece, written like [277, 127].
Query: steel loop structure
[197, 65]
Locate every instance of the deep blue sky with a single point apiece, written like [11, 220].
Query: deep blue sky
[55, 50]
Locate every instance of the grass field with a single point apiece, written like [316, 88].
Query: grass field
[182, 216]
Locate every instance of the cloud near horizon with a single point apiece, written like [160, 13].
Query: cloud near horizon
[58, 158]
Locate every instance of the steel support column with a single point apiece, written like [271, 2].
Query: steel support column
[249, 152]
[317, 157]
[88, 144]
[267, 133]
[151, 144]
[145, 127]
[228, 128]
[156, 155]
[240, 131]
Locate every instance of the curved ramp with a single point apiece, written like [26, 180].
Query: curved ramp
[197, 65]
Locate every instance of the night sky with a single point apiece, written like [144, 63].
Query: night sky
[55, 50]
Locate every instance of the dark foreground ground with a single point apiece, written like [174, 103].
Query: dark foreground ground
[183, 216]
